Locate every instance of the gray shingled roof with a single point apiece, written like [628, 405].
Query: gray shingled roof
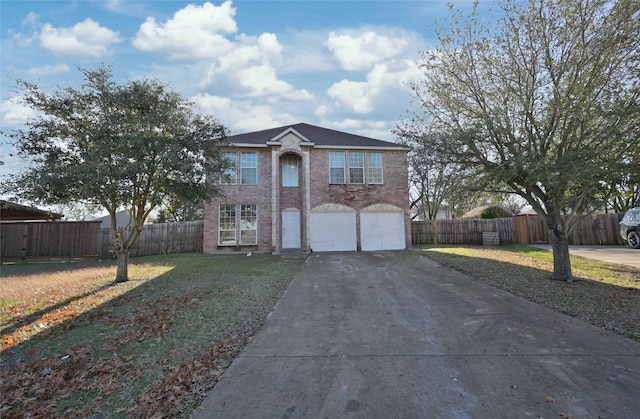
[318, 135]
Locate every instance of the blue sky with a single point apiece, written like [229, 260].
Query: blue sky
[253, 65]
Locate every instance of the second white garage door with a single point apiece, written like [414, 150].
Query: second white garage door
[382, 228]
[333, 228]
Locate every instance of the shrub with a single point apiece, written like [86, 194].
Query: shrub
[494, 212]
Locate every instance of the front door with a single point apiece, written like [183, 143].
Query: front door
[291, 228]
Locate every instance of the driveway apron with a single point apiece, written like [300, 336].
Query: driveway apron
[395, 335]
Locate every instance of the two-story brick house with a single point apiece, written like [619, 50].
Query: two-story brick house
[306, 188]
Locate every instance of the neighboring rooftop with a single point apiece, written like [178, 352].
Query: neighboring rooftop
[317, 135]
[10, 211]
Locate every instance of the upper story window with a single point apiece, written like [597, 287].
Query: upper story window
[374, 168]
[230, 175]
[336, 167]
[290, 170]
[248, 168]
[358, 165]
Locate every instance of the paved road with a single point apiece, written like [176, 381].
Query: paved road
[624, 255]
[394, 335]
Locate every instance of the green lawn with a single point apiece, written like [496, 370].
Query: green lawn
[74, 343]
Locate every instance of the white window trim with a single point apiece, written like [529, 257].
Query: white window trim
[297, 171]
[381, 168]
[365, 168]
[244, 230]
[220, 230]
[239, 168]
[237, 229]
[243, 168]
[343, 167]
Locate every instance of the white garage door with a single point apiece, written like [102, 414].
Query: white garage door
[333, 230]
[382, 230]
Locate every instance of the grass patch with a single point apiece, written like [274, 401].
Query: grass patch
[604, 294]
[74, 343]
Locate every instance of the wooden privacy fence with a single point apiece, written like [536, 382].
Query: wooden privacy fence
[595, 229]
[467, 231]
[41, 240]
[86, 239]
[160, 239]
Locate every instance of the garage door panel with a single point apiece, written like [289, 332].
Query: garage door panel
[333, 231]
[382, 231]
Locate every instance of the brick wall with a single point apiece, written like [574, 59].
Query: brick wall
[394, 191]
[259, 195]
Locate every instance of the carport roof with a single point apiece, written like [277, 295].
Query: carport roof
[10, 211]
[317, 135]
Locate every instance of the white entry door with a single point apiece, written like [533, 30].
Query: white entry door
[291, 228]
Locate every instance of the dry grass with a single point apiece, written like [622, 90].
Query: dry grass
[31, 304]
[75, 344]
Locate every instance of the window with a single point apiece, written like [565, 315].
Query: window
[248, 224]
[230, 175]
[290, 170]
[248, 168]
[336, 167]
[234, 219]
[357, 161]
[356, 167]
[374, 168]
[227, 225]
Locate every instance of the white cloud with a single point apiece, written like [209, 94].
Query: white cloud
[194, 33]
[354, 94]
[242, 115]
[383, 80]
[262, 81]
[84, 39]
[249, 70]
[32, 19]
[242, 67]
[13, 113]
[48, 70]
[321, 110]
[360, 50]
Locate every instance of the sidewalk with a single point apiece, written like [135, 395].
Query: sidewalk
[623, 255]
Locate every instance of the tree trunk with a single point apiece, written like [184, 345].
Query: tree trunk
[122, 274]
[561, 259]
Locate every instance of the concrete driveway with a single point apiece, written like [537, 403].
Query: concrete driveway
[622, 255]
[395, 335]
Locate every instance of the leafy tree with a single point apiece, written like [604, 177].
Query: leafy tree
[176, 211]
[542, 102]
[432, 182]
[131, 145]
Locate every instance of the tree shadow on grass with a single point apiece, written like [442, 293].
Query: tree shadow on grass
[31, 318]
[130, 351]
